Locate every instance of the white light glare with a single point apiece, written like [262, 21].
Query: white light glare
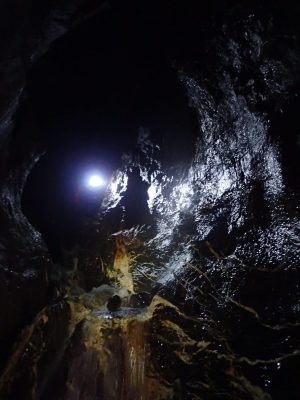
[95, 181]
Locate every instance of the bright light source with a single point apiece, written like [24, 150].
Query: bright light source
[95, 181]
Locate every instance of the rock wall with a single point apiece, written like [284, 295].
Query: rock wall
[27, 30]
[216, 234]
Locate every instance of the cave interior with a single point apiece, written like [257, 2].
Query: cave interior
[149, 191]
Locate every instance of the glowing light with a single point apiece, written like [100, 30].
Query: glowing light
[151, 192]
[95, 181]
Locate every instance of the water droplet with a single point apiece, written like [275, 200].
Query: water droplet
[278, 365]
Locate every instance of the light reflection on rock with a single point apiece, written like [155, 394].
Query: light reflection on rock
[222, 248]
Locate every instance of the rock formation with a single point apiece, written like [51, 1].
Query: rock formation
[185, 284]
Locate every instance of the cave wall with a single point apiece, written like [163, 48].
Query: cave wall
[27, 30]
[223, 241]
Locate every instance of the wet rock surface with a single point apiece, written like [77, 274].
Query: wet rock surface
[187, 287]
[226, 246]
[98, 354]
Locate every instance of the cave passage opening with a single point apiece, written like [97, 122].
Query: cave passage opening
[89, 95]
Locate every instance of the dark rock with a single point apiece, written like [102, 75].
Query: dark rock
[26, 33]
[114, 303]
[140, 300]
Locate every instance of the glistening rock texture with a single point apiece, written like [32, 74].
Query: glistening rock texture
[216, 235]
[226, 247]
